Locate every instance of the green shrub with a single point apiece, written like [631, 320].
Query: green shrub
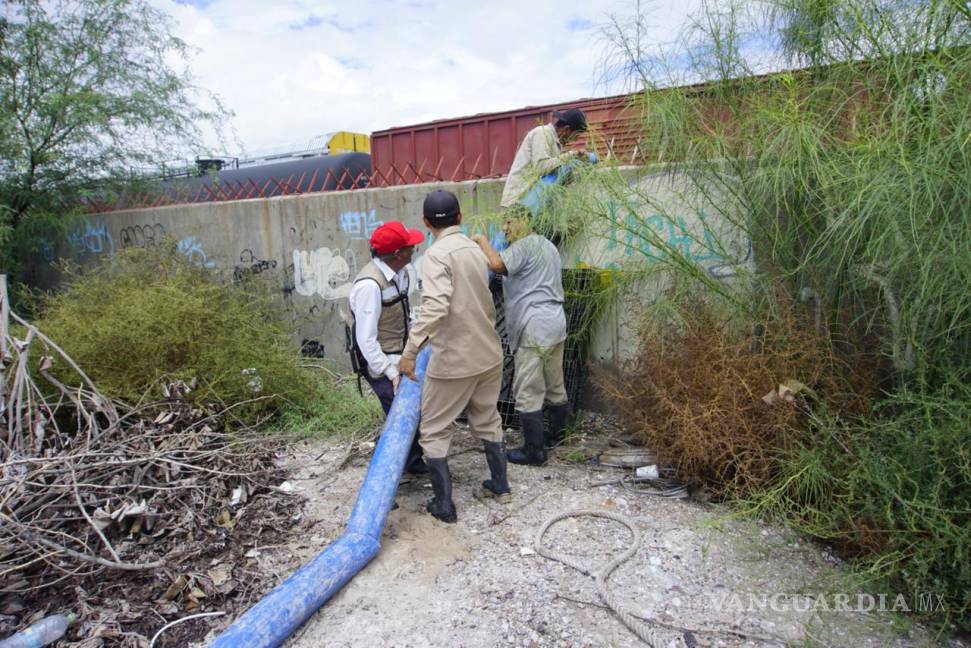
[150, 315]
[336, 409]
[850, 178]
[893, 489]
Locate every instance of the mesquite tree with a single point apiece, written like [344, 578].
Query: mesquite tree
[88, 89]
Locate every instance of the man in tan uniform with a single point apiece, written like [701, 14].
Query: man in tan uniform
[541, 151]
[465, 370]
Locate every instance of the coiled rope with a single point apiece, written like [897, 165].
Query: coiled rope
[646, 632]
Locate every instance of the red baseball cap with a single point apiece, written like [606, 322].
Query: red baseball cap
[393, 236]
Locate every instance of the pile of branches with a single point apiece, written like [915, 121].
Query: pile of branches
[94, 492]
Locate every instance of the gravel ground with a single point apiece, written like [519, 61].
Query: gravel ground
[479, 583]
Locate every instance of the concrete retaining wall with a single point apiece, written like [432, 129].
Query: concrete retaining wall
[311, 246]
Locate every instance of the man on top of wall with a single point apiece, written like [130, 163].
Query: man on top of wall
[541, 151]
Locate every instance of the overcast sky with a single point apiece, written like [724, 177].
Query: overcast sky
[293, 69]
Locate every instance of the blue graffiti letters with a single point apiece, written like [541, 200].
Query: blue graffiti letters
[91, 237]
[359, 225]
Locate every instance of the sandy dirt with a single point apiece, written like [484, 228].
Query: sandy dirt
[479, 583]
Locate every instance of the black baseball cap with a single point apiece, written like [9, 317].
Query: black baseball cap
[572, 117]
[440, 204]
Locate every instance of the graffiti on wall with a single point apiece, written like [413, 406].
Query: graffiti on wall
[359, 225]
[731, 267]
[141, 235]
[250, 265]
[192, 249]
[91, 237]
[304, 233]
[322, 272]
[656, 237]
[312, 349]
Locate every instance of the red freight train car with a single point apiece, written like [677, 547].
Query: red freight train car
[481, 146]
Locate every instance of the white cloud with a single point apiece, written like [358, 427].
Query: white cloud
[293, 69]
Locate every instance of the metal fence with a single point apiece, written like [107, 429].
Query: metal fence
[578, 285]
[227, 190]
[290, 185]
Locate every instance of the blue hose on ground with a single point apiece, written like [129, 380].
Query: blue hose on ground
[274, 618]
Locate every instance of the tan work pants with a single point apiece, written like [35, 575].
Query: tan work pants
[539, 377]
[443, 399]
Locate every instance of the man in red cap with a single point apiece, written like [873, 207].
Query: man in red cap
[379, 304]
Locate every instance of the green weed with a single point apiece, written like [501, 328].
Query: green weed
[574, 456]
[893, 488]
[335, 409]
[149, 316]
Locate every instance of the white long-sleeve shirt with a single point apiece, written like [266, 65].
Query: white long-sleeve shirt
[365, 302]
[539, 154]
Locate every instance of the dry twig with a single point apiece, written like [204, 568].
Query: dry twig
[90, 487]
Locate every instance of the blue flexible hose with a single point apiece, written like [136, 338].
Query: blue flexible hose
[274, 618]
[538, 196]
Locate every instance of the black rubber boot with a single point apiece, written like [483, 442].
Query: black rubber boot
[558, 415]
[441, 506]
[498, 485]
[414, 464]
[532, 452]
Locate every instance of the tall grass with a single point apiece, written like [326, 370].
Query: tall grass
[851, 176]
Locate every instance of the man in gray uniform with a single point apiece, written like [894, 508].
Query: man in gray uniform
[536, 332]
